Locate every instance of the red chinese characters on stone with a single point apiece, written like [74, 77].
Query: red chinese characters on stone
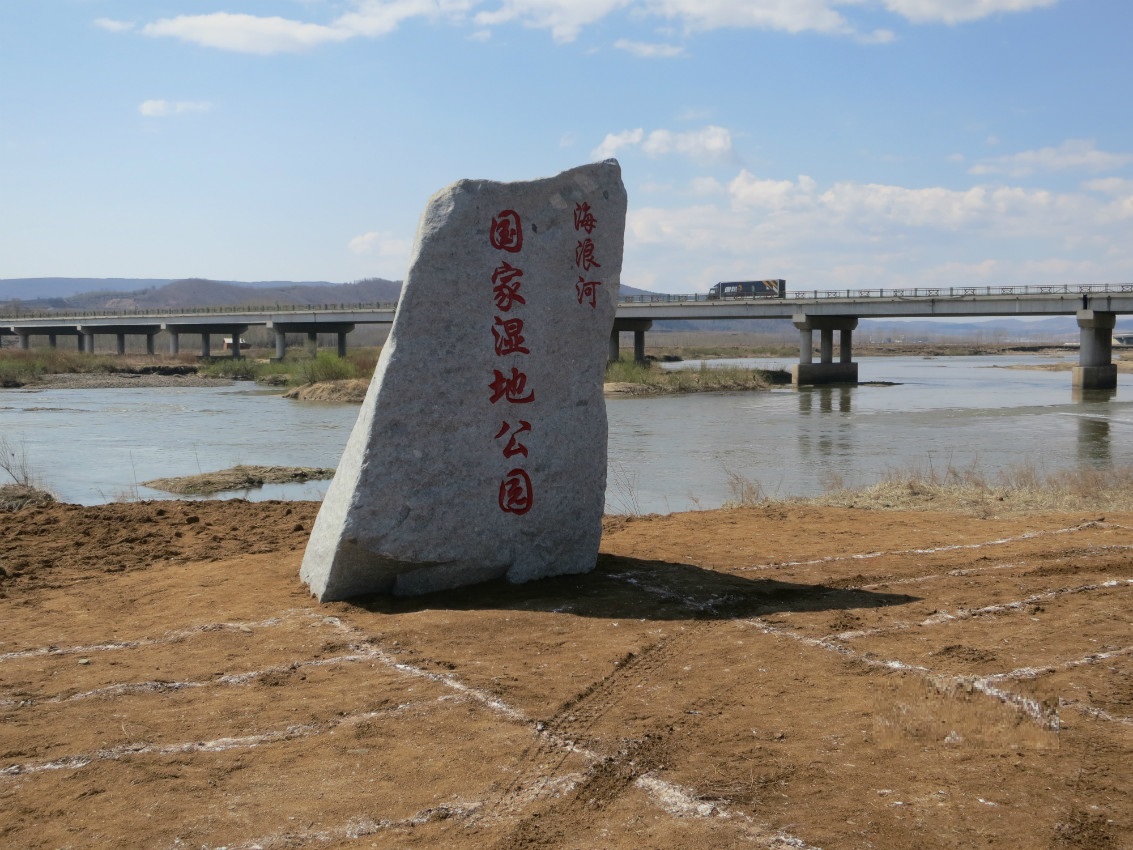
[583, 218]
[514, 447]
[506, 232]
[505, 286]
[510, 388]
[587, 290]
[509, 337]
[515, 493]
[584, 255]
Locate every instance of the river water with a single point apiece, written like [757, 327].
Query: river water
[666, 454]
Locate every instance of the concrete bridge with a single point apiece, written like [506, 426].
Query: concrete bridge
[1096, 307]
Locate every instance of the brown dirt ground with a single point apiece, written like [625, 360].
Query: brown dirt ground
[769, 677]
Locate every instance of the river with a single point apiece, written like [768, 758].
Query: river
[666, 454]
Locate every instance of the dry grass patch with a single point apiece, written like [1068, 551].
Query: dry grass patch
[969, 490]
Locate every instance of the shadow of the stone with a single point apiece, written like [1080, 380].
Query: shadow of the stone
[630, 588]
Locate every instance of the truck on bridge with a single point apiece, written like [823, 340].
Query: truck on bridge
[749, 289]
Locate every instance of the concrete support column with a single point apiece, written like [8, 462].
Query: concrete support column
[149, 344]
[236, 354]
[806, 344]
[206, 345]
[52, 340]
[80, 342]
[25, 341]
[88, 343]
[342, 343]
[120, 348]
[174, 342]
[827, 371]
[313, 342]
[280, 344]
[1095, 369]
[826, 345]
[638, 327]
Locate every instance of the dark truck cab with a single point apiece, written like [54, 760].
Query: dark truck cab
[749, 289]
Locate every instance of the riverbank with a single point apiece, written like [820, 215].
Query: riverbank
[780, 675]
[122, 380]
[238, 478]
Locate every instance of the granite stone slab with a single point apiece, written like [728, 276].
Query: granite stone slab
[480, 449]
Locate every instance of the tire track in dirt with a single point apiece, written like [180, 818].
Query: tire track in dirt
[960, 614]
[955, 547]
[569, 730]
[168, 637]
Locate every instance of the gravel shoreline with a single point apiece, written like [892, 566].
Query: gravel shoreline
[120, 380]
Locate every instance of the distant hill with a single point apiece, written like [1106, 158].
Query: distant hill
[33, 288]
[192, 292]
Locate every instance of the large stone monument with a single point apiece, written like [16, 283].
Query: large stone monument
[480, 450]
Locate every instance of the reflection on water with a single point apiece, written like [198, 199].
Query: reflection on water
[666, 453]
[1094, 437]
[1094, 447]
[822, 435]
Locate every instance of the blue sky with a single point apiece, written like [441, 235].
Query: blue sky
[834, 143]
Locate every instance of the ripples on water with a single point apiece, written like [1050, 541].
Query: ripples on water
[666, 453]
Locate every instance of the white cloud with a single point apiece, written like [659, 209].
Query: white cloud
[381, 17]
[877, 37]
[704, 145]
[959, 11]
[113, 26]
[163, 108]
[706, 186]
[1071, 155]
[615, 141]
[786, 15]
[246, 33]
[1110, 186]
[565, 19]
[851, 234]
[649, 51]
[382, 244]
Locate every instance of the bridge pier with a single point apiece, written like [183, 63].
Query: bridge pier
[237, 330]
[25, 341]
[206, 331]
[806, 371]
[638, 327]
[1096, 369]
[312, 328]
[120, 348]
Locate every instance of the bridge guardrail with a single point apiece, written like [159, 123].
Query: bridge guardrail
[195, 311]
[917, 292]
